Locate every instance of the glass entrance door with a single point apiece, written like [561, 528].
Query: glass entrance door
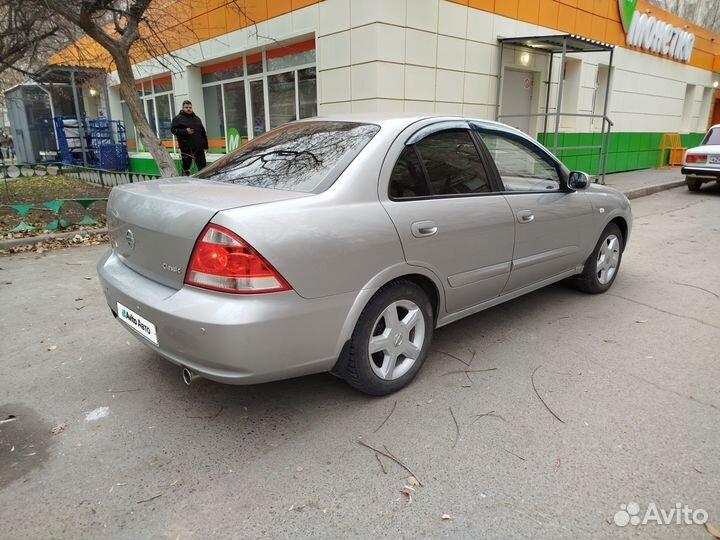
[257, 107]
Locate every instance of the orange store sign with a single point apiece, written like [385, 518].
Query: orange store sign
[651, 34]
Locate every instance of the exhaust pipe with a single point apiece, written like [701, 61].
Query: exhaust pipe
[189, 376]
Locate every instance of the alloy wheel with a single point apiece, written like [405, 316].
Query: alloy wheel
[608, 259]
[396, 340]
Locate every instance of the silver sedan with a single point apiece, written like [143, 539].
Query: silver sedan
[341, 243]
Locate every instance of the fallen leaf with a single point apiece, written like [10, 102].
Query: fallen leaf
[59, 428]
[408, 491]
[52, 348]
[314, 503]
[445, 517]
[412, 481]
[712, 530]
[641, 321]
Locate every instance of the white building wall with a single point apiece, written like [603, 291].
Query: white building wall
[649, 94]
[438, 56]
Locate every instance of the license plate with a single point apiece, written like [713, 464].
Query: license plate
[140, 324]
[715, 160]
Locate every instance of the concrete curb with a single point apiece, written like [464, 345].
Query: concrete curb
[14, 242]
[655, 188]
[7, 244]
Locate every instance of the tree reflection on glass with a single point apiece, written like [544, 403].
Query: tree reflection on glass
[296, 157]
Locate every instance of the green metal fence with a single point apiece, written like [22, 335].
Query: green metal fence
[13, 171]
[106, 178]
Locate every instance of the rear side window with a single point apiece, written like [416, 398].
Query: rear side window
[408, 179]
[453, 164]
[450, 165]
[712, 137]
[306, 157]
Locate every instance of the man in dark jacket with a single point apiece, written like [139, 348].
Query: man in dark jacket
[191, 136]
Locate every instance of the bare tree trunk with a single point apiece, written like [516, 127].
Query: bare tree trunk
[137, 112]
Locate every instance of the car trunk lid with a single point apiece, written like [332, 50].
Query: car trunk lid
[712, 151]
[154, 225]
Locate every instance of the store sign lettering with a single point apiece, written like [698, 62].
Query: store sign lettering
[648, 33]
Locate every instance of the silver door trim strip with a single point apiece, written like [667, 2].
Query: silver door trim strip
[544, 257]
[479, 274]
[457, 315]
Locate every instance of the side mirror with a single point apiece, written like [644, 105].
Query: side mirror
[578, 180]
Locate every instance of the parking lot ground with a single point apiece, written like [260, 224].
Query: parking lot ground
[107, 441]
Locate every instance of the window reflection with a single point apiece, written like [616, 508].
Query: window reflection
[281, 88]
[307, 92]
[257, 102]
[521, 167]
[235, 110]
[297, 157]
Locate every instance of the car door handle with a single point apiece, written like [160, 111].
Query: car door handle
[421, 229]
[525, 216]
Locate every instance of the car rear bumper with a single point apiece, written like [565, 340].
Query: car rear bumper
[701, 172]
[235, 339]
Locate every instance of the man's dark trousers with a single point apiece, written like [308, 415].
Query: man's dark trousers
[187, 159]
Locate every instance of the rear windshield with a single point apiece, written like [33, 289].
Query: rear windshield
[712, 137]
[305, 157]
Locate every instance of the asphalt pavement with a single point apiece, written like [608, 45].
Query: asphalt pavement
[538, 418]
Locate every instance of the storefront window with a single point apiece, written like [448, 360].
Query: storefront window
[158, 101]
[281, 90]
[256, 100]
[254, 64]
[162, 85]
[222, 72]
[214, 125]
[163, 109]
[235, 110]
[282, 60]
[307, 92]
[150, 113]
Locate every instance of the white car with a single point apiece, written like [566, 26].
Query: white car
[702, 163]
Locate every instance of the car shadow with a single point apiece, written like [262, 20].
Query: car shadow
[327, 390]
[712, 188]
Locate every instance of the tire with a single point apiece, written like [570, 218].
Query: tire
[693, 184]
[599, 275]
[389, 369]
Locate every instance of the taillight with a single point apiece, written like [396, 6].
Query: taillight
[222, 261]
[696, 158]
